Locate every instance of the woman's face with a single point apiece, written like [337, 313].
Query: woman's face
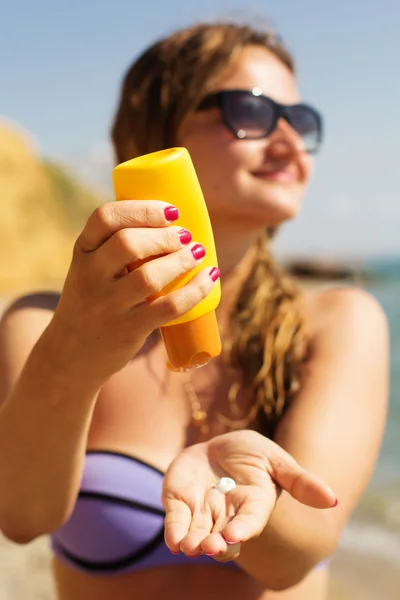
[248, 183]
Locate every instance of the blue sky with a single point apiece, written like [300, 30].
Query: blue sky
[62, 63]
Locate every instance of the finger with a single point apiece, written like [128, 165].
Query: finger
[200, 527]
[113, 216]
[214, 543]
[216, 546]
[222, 512]
[299, 483]
[178, 518]
[127, 246]
[232, 552]
[152, 278]
[179, 302]
[254, 508]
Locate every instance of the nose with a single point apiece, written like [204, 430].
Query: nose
[284, 142]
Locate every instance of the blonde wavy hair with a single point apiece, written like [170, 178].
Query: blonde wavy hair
[268, 339]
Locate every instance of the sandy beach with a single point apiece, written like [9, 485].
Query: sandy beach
[25, 575]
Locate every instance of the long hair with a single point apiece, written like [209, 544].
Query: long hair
[268, 338]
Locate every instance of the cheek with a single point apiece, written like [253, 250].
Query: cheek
[216, 161]
[308, 167]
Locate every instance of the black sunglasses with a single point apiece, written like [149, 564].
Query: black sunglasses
[249, 114]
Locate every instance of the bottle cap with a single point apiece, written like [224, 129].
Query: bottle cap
[192, 344]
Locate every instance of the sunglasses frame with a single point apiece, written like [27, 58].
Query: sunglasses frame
[280, 111]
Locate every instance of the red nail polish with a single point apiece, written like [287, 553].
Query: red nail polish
[172, 552]
[213, 554]
[231, 543]
[171, 213]
[185, 236]
[215, 274]
[336, 503]
[195, 556]
[198, 251]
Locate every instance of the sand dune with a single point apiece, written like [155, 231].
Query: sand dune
[43, 209]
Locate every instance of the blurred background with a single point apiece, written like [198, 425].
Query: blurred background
[60, 73]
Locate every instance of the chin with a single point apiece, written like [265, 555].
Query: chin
[275, 203]
[273, 211]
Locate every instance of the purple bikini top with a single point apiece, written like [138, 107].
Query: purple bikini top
[117, 524]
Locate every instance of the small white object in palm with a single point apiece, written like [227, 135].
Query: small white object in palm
[225, 485]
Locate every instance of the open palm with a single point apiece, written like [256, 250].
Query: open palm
[200, 519]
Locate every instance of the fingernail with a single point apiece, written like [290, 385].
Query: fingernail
[198, 251]
[215, 274]
[195, 556]
[171, 213]
[335, 503]
[172, 552]
[213, 554]
[232, 543]
[185, 236]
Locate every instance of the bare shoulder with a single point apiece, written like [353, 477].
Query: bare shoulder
[22, 323]
[37, 300]
[38, 305]
[344, 310]
[25, 319]
[343, 400]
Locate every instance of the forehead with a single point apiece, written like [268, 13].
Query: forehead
[258, 67]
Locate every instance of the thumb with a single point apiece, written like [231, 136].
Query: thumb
[298, 482]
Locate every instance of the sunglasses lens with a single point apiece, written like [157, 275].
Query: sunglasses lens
[249, 115]
[306, 122]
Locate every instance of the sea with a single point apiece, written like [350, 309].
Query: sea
[374, 528]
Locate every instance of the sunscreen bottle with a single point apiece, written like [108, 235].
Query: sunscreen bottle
[193, 339]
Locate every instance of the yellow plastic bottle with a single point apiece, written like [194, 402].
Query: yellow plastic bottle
[169, 175]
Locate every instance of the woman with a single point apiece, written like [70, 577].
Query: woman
[92, 419]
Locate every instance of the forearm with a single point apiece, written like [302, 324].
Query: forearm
[43, 430]
[296, 538]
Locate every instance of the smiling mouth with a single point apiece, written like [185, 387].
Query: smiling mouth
[280, 175]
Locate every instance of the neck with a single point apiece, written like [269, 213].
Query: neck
[231, 251]
[235, 256]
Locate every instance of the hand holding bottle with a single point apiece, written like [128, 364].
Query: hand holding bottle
[103, 317]
[193, 339]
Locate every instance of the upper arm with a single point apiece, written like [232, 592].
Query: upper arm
[21, 325]
[334, 426]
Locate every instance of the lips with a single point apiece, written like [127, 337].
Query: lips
[281, 175]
